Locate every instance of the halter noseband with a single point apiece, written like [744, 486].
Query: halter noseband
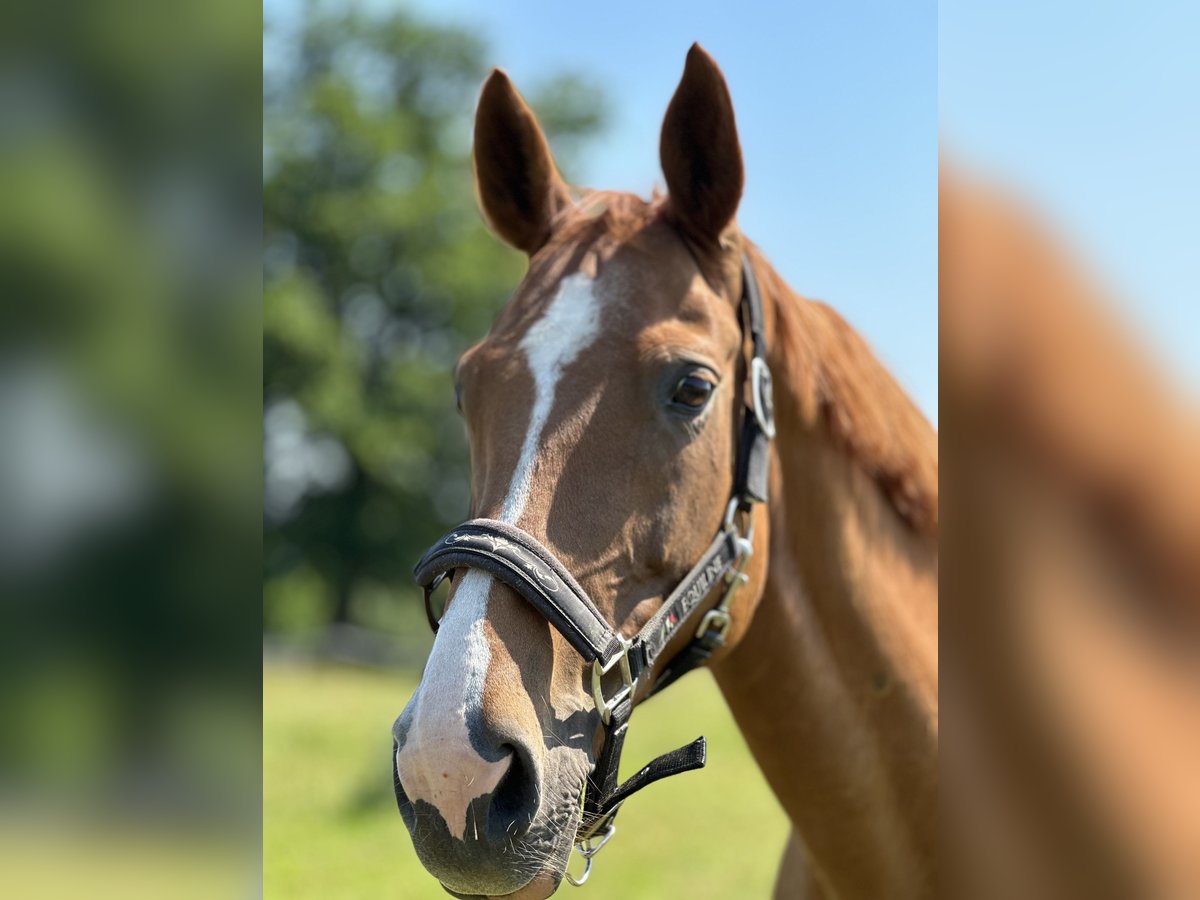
[516, 558]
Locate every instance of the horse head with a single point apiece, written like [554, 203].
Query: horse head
[603, 411]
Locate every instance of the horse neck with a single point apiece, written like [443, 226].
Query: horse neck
[835, 683]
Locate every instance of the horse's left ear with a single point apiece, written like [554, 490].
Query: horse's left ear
[699, 150]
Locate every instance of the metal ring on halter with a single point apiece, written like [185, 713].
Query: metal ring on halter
[600, 668]
[434, 623]
[760, 392]
[587, 870]
[588, 847]
[731, 525]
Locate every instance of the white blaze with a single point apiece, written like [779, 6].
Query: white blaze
[568, 326]
[437, 763]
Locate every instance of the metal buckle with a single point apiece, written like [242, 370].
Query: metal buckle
[602, 668]
[761, 394]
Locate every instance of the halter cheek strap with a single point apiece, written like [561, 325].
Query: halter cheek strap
[699, 604]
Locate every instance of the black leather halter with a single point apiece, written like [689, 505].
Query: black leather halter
[516, 558]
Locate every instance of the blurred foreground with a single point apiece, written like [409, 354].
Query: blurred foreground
[1071, 577]
[129, 472]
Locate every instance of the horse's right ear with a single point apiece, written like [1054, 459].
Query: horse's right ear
[520, 190]
[699, 150]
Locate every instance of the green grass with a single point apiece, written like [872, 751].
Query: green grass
[331, 830]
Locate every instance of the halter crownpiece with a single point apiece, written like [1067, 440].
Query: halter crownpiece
[516, 558]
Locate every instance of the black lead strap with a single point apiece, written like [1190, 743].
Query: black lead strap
[520, 561]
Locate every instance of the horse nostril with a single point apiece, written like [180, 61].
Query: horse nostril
[460, 803]
[515, 800]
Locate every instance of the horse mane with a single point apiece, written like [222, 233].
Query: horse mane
[843, 387]
[615, 214]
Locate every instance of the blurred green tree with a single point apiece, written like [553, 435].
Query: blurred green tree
[378, 273]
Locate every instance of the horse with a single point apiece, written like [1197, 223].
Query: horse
[605, 411]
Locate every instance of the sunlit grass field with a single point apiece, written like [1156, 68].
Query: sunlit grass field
[331, 830]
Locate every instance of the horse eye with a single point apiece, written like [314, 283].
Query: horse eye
[692, 393]
[458, 396]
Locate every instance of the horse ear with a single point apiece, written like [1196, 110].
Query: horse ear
[520, 190]
[700, 154]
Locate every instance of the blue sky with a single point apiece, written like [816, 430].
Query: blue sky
[1093, 110]
[837, 111]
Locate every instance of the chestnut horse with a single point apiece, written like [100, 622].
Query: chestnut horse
[603, 411]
